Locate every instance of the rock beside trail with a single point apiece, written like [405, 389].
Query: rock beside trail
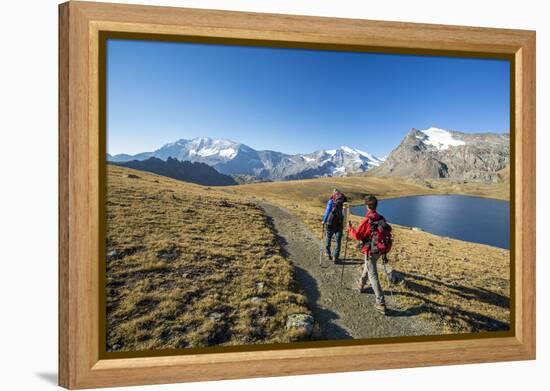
[304, 321]
[396, 277]
[132, 176]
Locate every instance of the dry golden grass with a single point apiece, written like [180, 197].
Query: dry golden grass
[462, 286]
[189, 266]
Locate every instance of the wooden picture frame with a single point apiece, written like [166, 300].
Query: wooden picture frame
[80, 111]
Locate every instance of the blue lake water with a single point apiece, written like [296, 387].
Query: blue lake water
[473, 219]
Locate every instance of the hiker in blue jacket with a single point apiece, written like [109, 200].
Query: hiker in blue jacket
[333, 223]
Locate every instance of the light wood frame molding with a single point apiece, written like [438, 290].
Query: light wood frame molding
[80, 24]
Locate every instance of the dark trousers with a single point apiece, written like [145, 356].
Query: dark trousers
[338, 236]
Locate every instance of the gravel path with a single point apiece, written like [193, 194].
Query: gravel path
[339, 311]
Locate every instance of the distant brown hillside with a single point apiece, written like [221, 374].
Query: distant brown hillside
[193, 172]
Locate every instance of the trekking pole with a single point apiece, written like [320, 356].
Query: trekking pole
[321, 249]
[387, 279]
[344, 260]
[346, 246]
[345, 223]
[384, 262]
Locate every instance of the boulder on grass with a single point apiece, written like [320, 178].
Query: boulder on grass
[296, 321]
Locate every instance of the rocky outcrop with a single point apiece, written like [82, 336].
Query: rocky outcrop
[300, 321]
[438, 153]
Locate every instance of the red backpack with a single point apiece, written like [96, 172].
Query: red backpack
[379, 238]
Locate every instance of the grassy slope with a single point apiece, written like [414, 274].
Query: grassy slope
[186, 265]
[462, 286]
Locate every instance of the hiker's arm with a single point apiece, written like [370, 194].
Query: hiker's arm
[327, 211]
[361, 232]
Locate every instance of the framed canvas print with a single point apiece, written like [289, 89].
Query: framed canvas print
[247, 195]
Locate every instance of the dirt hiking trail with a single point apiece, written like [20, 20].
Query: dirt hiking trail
[340, 311]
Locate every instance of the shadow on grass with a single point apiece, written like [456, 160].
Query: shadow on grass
[476, 322]
[480, 294]
[413, 311]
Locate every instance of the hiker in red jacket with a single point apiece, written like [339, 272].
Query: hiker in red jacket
[375, 234]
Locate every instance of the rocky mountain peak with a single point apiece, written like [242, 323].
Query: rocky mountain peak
[440, 153]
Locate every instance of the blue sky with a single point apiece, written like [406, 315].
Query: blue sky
[293, 100]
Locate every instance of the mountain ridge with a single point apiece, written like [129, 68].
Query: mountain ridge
[423, 154]
[194, 172]
[232, 158]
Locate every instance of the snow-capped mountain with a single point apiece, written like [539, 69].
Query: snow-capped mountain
[201, 149]
[347, 160]
[440, 153]
[229, 157]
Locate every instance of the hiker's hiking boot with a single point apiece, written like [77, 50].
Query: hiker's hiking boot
[380, 308]
[361, 285]
[328, 256]
[336, 260]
